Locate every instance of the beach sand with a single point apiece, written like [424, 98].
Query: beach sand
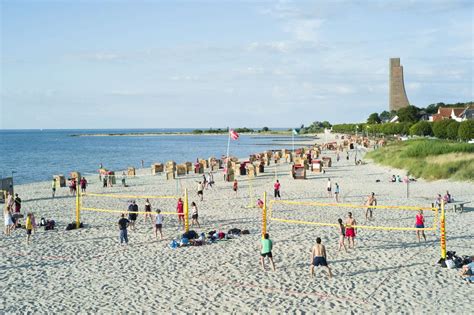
[87, 270]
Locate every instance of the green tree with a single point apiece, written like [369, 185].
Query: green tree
[421, 128]
[440, 128]
[373, 119]
[326, 124]
[452, 130]
[385, 116]
[466, 130]
[408, 114]
[265, 129]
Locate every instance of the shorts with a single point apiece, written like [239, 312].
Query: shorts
[200, 192]
[181, 215]
[350, 232]
[269, 255]
[158, 226]
[320, 261]
[195, 216]
[235, 188]
[132, 217]
[28, 231]
[420, 226]
[329, 188]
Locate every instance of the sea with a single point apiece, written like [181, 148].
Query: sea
[37, 155]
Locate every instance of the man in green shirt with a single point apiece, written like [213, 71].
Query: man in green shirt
[266, 251]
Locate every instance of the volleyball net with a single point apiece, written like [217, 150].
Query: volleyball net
[401, 218]
[119, 203]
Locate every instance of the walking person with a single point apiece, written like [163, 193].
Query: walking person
[124, 177]
[371, 201]
[53, 187]
[329, 188]
[276, 189]
[123, 225]
[336, 192]
[342, 235]
[420, 224]
[148, 210]
[235, 187]
[319, 257]
[8, 221]
[194, 215]
[159, 224]
[350, 229]
[210, 179]
[266, 247]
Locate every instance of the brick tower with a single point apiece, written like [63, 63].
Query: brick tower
[397, 95]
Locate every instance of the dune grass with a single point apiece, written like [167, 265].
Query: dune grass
[429, 159]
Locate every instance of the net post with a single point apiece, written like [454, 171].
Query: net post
[442, 228]
[186, 211]
[78, 205]
[264, 215]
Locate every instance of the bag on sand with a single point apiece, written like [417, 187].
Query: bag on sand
[234, 231]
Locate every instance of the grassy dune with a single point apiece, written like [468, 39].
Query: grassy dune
[429, 159]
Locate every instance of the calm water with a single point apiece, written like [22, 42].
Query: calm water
[36, 155]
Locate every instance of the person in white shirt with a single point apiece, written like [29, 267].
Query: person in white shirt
[158, 223]
[194, 215]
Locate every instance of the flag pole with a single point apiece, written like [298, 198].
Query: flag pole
[227, 155]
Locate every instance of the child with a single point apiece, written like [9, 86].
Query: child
[194, 215]
[158, 223]
[342, 235]
[266, 246]
[235, 186]
[29, 227]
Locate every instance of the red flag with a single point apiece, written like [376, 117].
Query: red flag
[234, 135]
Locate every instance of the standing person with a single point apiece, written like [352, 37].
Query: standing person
[83, 184]
[342, 235]
[447, 197]
[8, 221]
[438, 201]
[194, 215]
[204, 181]
[124, 177]
[180, 211]
[148, 210]
[266, 247]
[420, 224]
[123, 225]
[72, 186]
[210, 179]
[319, 257]
[350, 229]
[200, 189]
[338, 157]
[10, 202]
[28, 227]
[17, 203]
[105, 180]
[143, 164]
[336, 192]
[276, 189]
[132, 214]
[329, 188]
[109, 179]
[53, 187]
[235, 186]
[371, 201]
[159, 223]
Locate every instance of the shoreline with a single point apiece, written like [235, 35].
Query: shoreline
[152, 134]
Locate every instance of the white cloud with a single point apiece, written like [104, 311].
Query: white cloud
[306, 30]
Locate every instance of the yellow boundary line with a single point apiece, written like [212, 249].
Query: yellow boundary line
[126, 211]
[354, 226]
[130, 196]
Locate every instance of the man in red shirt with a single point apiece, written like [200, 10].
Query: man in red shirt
[277, 189]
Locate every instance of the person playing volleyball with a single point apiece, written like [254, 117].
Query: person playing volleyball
[180, 211]
[371, 201]
[350, 229]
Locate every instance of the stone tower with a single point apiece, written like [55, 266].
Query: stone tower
[397, 95]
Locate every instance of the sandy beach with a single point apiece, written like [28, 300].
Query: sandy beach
[87, 271]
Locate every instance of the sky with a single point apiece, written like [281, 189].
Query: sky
[200, 64]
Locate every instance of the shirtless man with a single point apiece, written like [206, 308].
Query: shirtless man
[371, 201]
[319, 258]
[350, 230]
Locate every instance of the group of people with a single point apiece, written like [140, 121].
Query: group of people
[446, 199]
[12, 216]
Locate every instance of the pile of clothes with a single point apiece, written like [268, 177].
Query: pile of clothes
[192, 238]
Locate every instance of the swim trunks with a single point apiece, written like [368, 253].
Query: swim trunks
[319, 261]
[269, 255]
[350, 232]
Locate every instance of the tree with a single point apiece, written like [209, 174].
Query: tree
[385, 116]
[265, 129]
[421, 128]
[373, 119]
[408, 114]
[326, 124]
[466, 130]
[452, 130]
[440, 128]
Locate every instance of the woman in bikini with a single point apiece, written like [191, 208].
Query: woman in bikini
[350, 230]
[148, 210]
[342, 235]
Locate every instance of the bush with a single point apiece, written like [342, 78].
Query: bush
[466, 130]
[440, 128]
[421, 128]
[197, 131]
[452, 130]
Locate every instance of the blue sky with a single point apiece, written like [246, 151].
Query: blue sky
[165, 64]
